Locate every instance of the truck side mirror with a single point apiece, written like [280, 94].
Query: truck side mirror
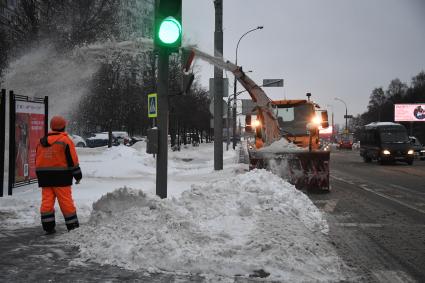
[325, 121]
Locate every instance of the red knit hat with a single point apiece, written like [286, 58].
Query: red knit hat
[58, 123]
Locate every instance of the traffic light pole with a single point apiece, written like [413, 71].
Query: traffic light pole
[346, 120]
[218, 87]
[162, 157]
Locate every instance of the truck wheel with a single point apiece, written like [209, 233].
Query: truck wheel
[409, 161]
[367, 159]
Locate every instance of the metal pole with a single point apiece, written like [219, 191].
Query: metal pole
[346, 119]
[332, 121]
[346, 113]
[218, 87]
[12, 111]
[46, 115]
[2, 137]
[227, 123]
[162, 119]
[234, 105]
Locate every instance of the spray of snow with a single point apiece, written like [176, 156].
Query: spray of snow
[45, 72]
[253, 221]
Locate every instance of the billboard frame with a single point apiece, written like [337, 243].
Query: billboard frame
[2, 137]
[12, 138]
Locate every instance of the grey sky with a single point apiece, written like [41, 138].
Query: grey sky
[331, 48]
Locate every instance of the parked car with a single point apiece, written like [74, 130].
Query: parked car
[101, 139]
[97, 140]
[120, 137]
[78, 141]
[418, 148]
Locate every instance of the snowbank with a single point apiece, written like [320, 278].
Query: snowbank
[235, 226]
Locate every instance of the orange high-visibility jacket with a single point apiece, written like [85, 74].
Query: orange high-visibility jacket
[56, 161]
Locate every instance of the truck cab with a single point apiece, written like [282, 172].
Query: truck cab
[298, 122]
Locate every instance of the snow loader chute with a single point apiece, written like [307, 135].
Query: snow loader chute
[286, 134]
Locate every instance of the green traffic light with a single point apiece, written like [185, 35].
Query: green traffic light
[170, 30]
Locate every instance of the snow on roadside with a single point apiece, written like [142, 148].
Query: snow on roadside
[234, 226]
[106, 169]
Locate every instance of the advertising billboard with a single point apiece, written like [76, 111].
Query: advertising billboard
[29, 128]
[409, 112]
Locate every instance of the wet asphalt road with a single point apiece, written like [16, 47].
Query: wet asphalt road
[27, 255]
[376, 216]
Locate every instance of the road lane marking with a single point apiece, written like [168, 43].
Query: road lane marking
[392, 199]
[407, 189]
[361, 225]
[365, 187]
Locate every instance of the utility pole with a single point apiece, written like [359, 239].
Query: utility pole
[162, 157]
[218, 87]
[346, 113]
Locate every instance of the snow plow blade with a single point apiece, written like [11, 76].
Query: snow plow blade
[305, 170]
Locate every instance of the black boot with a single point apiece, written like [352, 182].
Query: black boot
[48, 222]
[72, 226]
[71, 222]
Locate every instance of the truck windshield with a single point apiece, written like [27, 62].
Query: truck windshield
[394, 136]
[294, 119]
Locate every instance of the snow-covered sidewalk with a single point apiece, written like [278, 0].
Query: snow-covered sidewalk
[216, 223]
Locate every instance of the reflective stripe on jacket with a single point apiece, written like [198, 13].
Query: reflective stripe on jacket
[56, 161]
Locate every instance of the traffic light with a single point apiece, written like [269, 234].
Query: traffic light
[168, 27]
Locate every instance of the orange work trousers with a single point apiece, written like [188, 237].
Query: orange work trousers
[64, 196]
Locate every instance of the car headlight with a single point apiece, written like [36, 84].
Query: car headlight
[411, 151]
[423, 150]
[386, 152]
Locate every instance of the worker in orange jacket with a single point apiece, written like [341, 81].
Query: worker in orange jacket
[56, 165]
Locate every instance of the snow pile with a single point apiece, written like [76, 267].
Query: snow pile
[250, 223]
[116, 162]
[282, 145]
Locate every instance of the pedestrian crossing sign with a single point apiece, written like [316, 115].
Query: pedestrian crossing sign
[152, 105]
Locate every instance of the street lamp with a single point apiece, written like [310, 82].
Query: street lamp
[229, 99]
[235, 86]
[346, 113]
[332, 122]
